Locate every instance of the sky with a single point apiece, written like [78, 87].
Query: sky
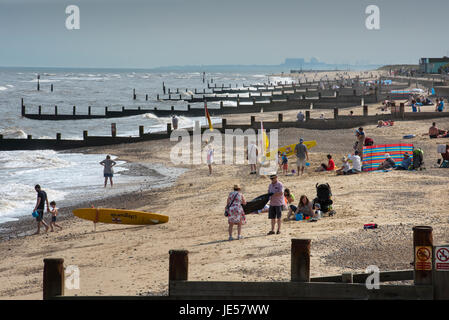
[154, 33]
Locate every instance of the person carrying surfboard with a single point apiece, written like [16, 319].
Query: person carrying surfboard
[301, 155]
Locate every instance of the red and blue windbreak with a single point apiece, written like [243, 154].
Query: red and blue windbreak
[373, 156]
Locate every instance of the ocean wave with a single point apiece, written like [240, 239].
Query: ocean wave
[13, 133]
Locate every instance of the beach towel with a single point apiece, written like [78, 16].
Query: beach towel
[373, 156]
[256, 204]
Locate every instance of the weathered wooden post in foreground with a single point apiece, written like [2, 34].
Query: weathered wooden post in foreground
[402, 110]
[85, 135]
[178, 269]
[53, 283]
[335, 113]
[141, 131]
[422, 247]
[307, 115]
[300, 260]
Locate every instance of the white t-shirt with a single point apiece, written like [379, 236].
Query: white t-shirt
[346, 167]
[210, 156]
[252, 154]
[356, 163]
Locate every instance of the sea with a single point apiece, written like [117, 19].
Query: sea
[70, 177]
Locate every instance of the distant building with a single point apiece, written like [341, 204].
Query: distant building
[294, 62]
[432, 65]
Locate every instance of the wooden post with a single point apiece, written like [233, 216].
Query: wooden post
[113, 130]
[319, 94]
[169, 96]
[177, 90]
[271, 100]
[188, 107]
[221, 104]
[347, 277]
[29, 137]
[85, 135]
[172, 108]
[105, 110]
[38, 85]
[223, 123]
[74, 110]
[163, 87]
[253, 120]
[168, 127]
[40, 110]
[365, 111]
[423, 256]
[134, 94]
[53, 282]
[402, 110]
[280, 117]
[300, 260]
[89, 110]
[157, 97]
[178, 269]
[123, 108]
[1, 136]
[56, 110]
[51, 87]
[146, 97]
[440, 277]
[307, 115]
[238, 101]
[141, 131]
[355, 92]
[335, 113]
[169, 91]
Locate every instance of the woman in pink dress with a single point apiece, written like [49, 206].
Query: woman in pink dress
[236, 213]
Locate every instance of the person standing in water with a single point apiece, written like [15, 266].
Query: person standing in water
[108, 171]
[39, 207]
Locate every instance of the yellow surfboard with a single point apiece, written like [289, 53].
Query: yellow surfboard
[290, 149]
[120, 216]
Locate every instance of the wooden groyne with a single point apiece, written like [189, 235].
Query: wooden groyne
[430, 282]
[338, 122]
[247, 106]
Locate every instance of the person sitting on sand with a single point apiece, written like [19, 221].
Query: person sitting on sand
[356, 163]
[329, 167]
[290, 198]
[434, 132]
[345, 168]
[405, 164]
[387, 164]
[445, 155]
[305, 207]
[236, 213]
[300, 117]
[54, 213]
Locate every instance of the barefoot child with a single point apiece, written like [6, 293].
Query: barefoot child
[284, 164]
[54, 213]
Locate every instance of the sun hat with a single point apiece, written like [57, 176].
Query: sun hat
[387, 155]
[237, 187]
[273, 176]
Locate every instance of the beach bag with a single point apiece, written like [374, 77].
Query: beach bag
[35, 214]
[226, 213]
[369, 142]
[418, 157]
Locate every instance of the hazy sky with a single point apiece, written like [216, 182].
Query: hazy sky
[152, 33]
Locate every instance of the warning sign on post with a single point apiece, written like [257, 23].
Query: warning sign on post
[423, 258]
[442, 258]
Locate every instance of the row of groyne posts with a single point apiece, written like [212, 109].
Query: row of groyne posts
[430, 276]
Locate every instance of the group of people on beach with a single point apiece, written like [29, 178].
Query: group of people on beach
[280, 199]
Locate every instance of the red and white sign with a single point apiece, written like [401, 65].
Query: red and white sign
[442, 258]
[423, 258]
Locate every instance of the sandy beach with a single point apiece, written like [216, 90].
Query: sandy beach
[129, 260]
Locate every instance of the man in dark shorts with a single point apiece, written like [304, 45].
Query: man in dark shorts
[39, 207]
[276, 203]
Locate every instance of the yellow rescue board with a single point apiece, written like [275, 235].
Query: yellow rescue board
[120, 216]
[290, 149]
